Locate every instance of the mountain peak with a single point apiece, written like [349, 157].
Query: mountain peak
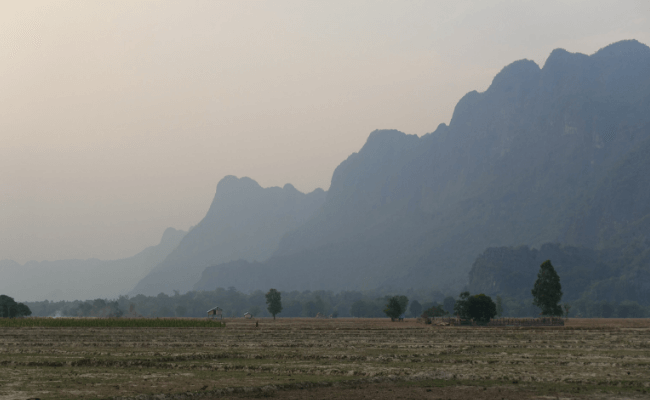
[625, 48]
[231, 182]
[289, 187]
[381, 140]
[516, 73]
[560, 59]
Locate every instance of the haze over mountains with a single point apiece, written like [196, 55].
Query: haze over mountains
[546, 154]
[83, 279]
[552, 154]
[245, 221]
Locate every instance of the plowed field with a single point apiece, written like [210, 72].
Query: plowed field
[336, 358]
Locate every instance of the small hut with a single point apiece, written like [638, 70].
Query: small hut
[214, 312]
[248, 315]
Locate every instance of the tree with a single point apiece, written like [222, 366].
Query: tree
[547, 291]
[23, 310]
[481, 308]
[274, 302]
[416, 308]
[499, 306]
[403, 303]
[460, 307]
[436, 310]
[393, 308]
[10, 309]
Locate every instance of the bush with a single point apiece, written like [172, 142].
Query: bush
[436, 310]
[481, 308]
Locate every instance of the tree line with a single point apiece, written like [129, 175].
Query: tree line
[362, 304]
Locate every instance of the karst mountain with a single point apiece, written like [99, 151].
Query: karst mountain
[244, 222]
[552, 154]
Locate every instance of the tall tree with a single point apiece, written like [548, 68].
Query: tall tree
[394, 308]
[547, 291]
[274, 302]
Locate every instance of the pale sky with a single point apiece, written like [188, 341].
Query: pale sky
[117, 119]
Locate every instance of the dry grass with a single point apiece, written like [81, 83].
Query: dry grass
[586, 358]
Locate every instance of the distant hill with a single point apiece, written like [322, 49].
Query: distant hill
[245, 221]
[83, 279]
[612, 275]
[548, 154]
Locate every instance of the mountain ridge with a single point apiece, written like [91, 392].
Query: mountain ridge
[513, 167]
[244, 221]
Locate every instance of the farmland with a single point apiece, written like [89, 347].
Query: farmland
[109, 323]
[328, 358]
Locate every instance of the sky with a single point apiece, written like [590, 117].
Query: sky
[118, 119]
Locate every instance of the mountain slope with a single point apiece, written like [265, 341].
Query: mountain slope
[517, 164]
[83, 279]
[245, 221]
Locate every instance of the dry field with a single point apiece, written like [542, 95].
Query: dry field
[323, 359]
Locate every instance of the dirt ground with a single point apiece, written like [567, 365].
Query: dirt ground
[391, 391]
[329, 358]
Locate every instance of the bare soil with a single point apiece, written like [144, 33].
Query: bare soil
[329, 358]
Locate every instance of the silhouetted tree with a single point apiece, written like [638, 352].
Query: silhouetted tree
[547, 291]
[10, 309]
[481, 308]
[274, 302]
[393, 308]
[403, 303]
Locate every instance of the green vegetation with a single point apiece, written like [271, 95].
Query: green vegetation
[274, 302]
[109, 323]
[366, 304]
[10, 309]
[394, 308]
[481, 308]
[596, 283]
[547, 291]
[437, 310]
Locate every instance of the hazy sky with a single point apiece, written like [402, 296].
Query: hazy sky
[117, 119]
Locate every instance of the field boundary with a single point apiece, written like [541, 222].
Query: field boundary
[499, 322]
[63, 322]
